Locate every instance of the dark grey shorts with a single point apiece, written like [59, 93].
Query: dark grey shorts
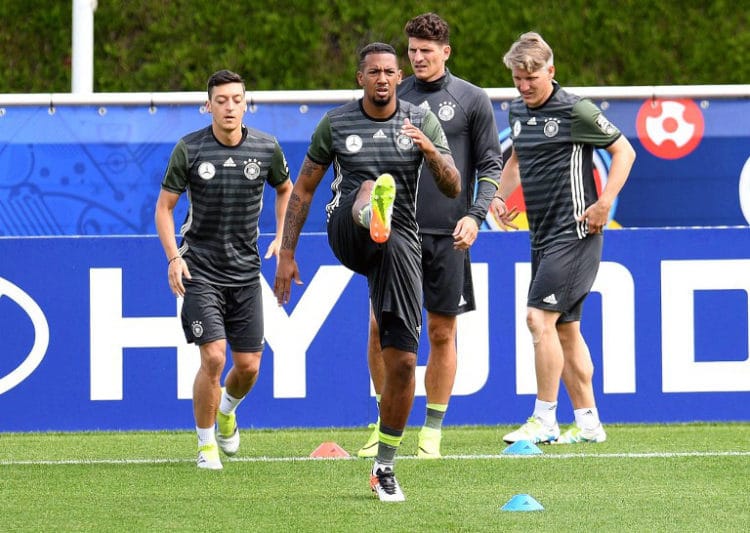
[212, 312]
[562, 276]
[447, 285]
[393, 271]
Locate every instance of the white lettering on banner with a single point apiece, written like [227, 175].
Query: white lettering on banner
[41, 335]
[745, 190]
[615, 284]
[291, 335]
[473, 340]
[679, 281]
[111, 333]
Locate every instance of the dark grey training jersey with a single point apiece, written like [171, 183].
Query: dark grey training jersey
[554, 144]
[468, 120]
[361, 148]
[225, 190]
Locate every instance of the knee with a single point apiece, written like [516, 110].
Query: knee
[213, 357]
[536, 324]
[568, 337]
[402, 367]
[441, 334]
[247, 367]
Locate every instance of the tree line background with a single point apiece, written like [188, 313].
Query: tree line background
[174, 45]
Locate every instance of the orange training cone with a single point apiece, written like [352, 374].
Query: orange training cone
[329, 449]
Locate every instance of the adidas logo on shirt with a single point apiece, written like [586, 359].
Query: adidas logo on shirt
[379, 135]
[230, 163]
[550, 299]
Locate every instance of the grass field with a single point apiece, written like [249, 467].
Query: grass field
[691, 477]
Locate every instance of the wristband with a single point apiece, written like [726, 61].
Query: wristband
[499, 198]
[175, 257]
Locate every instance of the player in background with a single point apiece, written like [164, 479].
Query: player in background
[223, 168]
[554, 134]
[447, 226]
[377, 145]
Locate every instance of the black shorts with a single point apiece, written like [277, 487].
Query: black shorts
[393, 271]
[562, 276]
[212, 312]
[447, 285]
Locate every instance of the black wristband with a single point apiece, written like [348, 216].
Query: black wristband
[175, 257]
[499, 198]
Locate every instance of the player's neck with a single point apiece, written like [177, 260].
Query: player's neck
[379, 112]
[228, 137]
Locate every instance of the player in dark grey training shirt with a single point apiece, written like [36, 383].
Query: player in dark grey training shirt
[362, 140]
[554, 134]
[223, 168]
[447, 226]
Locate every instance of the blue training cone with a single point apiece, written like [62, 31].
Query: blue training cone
[522, 447]
[522, 502]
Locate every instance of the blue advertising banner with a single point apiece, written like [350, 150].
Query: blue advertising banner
[96, 169]
[92, 340]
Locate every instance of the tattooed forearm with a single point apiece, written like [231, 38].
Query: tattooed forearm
[309, 168]
[300, 200]
[296, 214]
[447, 177]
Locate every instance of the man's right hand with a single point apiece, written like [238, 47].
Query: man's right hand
[286, 271]
[503, 215]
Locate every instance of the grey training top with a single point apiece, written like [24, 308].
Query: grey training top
[361, 148]
[466, 115]
[554, 144]
[225, 190]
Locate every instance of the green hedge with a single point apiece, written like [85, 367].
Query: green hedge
[173, 45]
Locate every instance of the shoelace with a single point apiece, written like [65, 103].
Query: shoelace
[387, 481]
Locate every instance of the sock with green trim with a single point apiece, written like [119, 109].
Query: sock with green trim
[389, 440]
[435, 415]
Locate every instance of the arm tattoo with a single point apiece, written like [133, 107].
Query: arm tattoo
[308, 167]
[446, 174]
[298, 207]
[296, 214]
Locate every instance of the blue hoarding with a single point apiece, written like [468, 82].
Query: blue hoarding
[92, 340]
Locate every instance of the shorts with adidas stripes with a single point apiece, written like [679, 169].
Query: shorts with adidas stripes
[213, 312]
[562, 275]
[393, 271]
[447, 284]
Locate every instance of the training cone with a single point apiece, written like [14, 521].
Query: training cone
[522, 502]
[329, 449]
[522, 447]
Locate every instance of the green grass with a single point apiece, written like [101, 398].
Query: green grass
[691, 477]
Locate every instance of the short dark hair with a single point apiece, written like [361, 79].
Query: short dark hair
[428, 26]
[222, 77]
[375, 48]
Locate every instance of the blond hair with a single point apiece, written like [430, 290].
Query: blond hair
[530, 53]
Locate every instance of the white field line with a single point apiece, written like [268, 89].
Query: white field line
[645, 455]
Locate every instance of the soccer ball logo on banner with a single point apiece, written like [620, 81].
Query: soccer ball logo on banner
[670, 129]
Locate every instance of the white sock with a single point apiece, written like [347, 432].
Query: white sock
[205, 435]
[546, 412]
[228, 403]
[365, 215]
[587, 418]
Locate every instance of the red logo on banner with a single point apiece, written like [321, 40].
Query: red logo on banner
[670, 129]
